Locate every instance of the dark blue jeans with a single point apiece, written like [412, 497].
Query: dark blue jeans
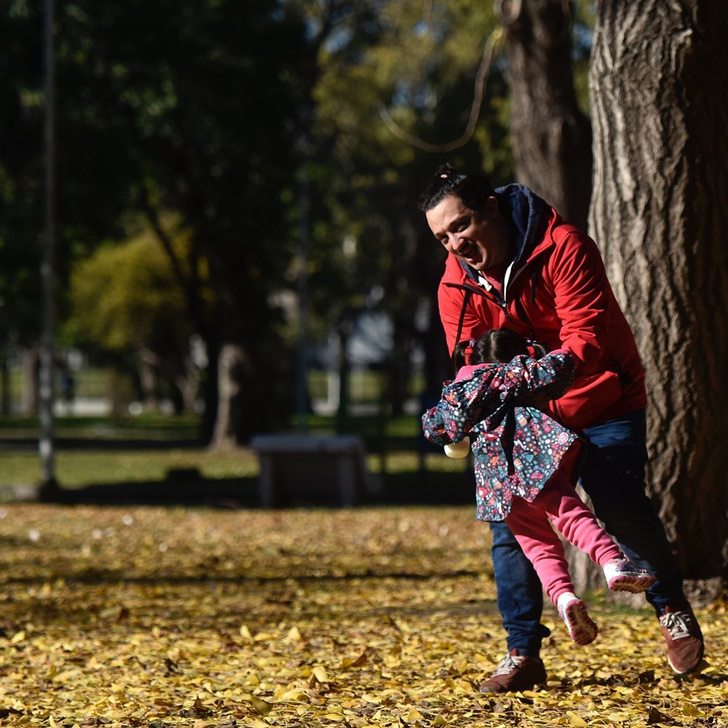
[612, 473]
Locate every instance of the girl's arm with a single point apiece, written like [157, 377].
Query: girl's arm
[463, 403]
[549, 376]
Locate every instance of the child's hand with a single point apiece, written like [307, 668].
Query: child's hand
[458, 450]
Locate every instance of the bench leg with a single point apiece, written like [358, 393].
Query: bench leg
[266, 490]
[347, 480]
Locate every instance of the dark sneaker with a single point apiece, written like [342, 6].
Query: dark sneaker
[685, 647]
[515, 672]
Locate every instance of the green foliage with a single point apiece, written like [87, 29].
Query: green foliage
[125, 296]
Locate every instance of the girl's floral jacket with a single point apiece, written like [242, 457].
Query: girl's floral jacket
[516, 447]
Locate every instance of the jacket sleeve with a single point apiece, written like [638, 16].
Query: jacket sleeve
[581, 299]
[549, 376]
[462, 405]
[466, 402]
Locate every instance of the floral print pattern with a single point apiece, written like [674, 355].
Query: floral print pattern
[517, 448]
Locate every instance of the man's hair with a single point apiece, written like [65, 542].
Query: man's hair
[472, 189]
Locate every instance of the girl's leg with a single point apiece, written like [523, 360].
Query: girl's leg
[576, 522]
[542, 546]
[530, 526]
[580, 527]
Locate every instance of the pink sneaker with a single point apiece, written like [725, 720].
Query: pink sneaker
[582, 628]
[623, 575]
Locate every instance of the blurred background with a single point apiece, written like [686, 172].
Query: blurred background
[236, 244]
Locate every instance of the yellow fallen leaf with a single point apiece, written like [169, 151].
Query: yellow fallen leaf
[293, 635]
[413, 716]
[261, 707]
[575, 720]
[294, 694]
[264, 637]
[17, 637]
[245, 633]
[319, 673]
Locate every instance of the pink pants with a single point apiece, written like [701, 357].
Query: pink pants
[559, 503]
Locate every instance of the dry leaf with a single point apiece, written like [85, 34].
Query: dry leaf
[261, 707]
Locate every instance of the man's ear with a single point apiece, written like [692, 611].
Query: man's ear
[490, 209]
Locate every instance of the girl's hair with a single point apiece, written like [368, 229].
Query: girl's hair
[472, 189]
[499, 345]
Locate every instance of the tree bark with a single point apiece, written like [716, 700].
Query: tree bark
[551, 136]
[658, 78]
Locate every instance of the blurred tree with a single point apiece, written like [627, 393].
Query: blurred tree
[658, 80]
[21, 104]
[210, 110]
[125, 297]
[193, 108]
[413, 67]
[551, 134]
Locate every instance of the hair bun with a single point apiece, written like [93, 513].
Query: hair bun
[447, 171]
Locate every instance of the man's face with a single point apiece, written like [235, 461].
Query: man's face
[479, 239]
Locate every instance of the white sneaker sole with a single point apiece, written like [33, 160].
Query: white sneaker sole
[635, 584]
[582, 628]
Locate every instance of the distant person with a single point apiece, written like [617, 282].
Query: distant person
[68, 389]
[513, 262]
[526, 464]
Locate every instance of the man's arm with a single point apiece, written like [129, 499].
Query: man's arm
[581, 299]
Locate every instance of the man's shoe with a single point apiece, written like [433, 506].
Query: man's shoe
[623, 575]
[573, 611]
[515, 672]
[685, 646]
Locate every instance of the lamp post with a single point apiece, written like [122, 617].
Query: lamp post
[47, 268]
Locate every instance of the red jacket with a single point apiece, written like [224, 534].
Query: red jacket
[557, 294]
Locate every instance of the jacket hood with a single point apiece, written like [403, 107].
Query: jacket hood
[529, 216]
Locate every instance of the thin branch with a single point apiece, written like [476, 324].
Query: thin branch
[489, 52]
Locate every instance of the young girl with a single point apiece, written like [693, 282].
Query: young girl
[526, 464]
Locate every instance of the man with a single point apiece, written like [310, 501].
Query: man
[513, 263]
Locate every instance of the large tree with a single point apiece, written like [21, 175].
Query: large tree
[551, 135]
[658, 80]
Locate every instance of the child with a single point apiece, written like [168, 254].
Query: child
[520, 451]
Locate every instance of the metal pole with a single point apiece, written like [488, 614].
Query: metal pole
[304, 245]
[303, 303]
[47, 268]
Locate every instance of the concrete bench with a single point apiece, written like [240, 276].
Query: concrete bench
[306, 469]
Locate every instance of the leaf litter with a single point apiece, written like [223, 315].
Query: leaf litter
[356, 618]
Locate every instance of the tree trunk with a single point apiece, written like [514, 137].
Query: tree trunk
[210, 389]
[343, 331]
[31, 371]
[551, 137]
[234, 373]
[5, 403]
[658, 79]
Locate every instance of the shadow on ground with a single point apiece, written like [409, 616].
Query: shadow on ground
[189, 487]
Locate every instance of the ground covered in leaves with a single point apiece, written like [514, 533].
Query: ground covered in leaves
[374, 617]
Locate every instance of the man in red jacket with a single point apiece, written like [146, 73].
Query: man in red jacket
[513, 263]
